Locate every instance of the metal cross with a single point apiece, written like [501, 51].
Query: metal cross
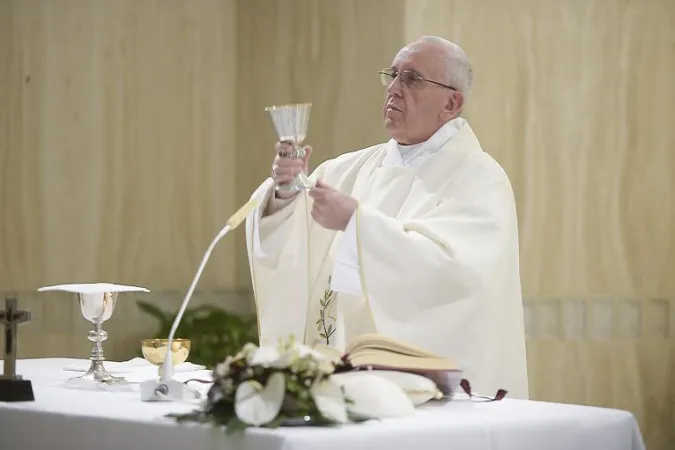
[11, 317]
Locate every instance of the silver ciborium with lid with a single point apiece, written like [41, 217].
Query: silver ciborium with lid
[97, 304]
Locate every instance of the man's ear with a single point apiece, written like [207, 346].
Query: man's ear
[455, 104]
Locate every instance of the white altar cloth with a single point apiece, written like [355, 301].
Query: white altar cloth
[68, 419]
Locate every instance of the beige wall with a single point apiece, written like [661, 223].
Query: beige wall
[130, 130]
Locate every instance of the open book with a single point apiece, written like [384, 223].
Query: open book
[379, 352]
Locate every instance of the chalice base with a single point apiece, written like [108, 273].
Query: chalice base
[99, 374]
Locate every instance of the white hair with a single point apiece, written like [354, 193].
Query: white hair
[457, 68]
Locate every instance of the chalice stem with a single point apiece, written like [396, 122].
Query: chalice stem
[301, 181]
[298, 152]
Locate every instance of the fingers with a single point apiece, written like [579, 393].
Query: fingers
[281, 179]
[284, 149]
[323, 197]
[318, 192]
[285, 167]
[308, 153]
[314, 194]
[287, 163]
[322, 184]
[283, 175]
[318, 214]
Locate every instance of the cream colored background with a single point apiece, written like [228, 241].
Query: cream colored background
[130, 130]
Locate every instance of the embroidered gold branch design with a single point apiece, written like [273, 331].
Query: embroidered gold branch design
[326, 330]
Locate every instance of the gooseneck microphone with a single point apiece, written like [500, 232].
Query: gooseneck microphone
[166, 388]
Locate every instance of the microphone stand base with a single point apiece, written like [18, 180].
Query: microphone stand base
[172, 391]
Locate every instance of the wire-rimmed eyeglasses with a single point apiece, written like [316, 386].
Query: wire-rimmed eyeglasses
[408, 78]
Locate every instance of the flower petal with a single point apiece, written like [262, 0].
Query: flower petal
[256, 405]
[330, 401]
[263, 356]
[374, 397]
[303, 350]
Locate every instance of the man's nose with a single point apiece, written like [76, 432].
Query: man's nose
[394, 87]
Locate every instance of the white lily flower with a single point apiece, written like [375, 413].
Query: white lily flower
[223, 369]
[257, 405]
[329, 400]
[291, 354]
[304, 350]
[374, 397]
[266, 357]
[247, 350]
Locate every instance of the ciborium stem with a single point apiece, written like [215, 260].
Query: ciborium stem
[97, 336]
[97, 371]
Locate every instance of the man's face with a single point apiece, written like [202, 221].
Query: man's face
[412, 113]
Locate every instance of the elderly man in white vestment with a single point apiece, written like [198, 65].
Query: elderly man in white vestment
[415, 238]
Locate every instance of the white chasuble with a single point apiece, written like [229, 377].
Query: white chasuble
[430, 257]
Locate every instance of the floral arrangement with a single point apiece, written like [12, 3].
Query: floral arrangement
[274, 386]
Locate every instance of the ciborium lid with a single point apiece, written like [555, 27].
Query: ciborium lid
[92, 288]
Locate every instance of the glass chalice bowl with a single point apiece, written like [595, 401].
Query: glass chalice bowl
[154, 351]
[291, 122]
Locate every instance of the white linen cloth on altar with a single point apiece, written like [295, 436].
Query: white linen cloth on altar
[134, 365]
[66, 419]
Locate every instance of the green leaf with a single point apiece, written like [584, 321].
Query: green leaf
[194, 416]
[153, 311]
[235, 425]
[323, 335]
[357, 418]
[322, 302]
[276, 423]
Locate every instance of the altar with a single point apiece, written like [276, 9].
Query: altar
[66, 418]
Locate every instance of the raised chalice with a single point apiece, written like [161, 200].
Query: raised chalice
[290, 123]
[154, 351]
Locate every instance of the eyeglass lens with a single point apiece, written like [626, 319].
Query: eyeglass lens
[408, 79]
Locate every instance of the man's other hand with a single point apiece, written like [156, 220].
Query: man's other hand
[332, 209]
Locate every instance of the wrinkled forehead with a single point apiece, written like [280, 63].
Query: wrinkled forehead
[421, 59]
